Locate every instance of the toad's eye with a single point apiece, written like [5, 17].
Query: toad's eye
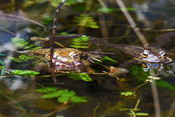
[144, 55]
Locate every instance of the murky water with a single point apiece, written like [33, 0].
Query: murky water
[155, 19]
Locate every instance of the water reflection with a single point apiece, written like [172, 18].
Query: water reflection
[103, 95]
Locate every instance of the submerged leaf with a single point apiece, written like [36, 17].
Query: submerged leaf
[46, 89]
[79, 76]
[138, 73]
[164, 84]
[55, 94]
[86, 21]
[78, 99]
[22, 43]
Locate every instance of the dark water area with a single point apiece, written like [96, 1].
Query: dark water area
[103, 22]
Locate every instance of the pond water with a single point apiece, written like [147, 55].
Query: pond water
[128, 95]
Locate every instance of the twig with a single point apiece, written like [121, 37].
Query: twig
[57, 110]
[94, 112]
[53, 39]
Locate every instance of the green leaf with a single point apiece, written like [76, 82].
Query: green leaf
[106, 10]
[141, 114]
[19, 42]
[46, 89]
[78, 99]
[79, 76]
[106, 58]
[66, 96]
[126, 93]
[76, 46]
[55, 94]
[137, 72]
[1, 67]
[80, 42]
[86, 21]
[21, 58]
[24, 72]
[63, 99]
[161, 83]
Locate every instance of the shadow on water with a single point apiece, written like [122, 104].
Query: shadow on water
[107, 96]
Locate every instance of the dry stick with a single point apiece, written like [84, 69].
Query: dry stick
[53, 39]
[145, 43]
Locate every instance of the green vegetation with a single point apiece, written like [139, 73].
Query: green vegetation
[81, 42]
[62, 96]
[138, 73]
[106, 58]
[85, 21]
[21, 43]
[23, 72]
[79, 76]
[21, 58]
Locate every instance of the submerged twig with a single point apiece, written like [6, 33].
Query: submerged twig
[1, 28]
[57, 110]
[94, 112]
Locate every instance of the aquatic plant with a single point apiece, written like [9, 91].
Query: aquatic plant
[62, 96]
[21, 58]
[85, 21]
[23, 72]
[22, 43]
[80, 76]
[81, 42]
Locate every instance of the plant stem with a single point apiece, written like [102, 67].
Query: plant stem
[57, 110]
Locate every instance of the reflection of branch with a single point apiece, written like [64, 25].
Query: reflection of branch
[1, 28]
[155, 95]
[132, 23]
[23, 18]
